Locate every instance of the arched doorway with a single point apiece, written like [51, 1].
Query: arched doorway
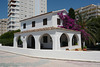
[75, 40]
[46, 42]
[19, 42]
[30, 42]
[64, 40]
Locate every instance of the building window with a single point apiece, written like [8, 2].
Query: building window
[25, 15]
[13, 22]
[45, 21]
[33, 24]
[58, 22]
[24, 25]
[12, 26]
[45, 39]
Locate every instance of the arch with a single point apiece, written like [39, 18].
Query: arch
[19, 42]
[64, 40]
[75, 39]
[30, 42]
[46, 41]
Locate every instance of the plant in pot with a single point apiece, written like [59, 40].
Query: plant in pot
[76, 44]
[85, 48]
[76, 50]
[67, 49]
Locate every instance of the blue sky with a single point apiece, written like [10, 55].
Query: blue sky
[53, 5]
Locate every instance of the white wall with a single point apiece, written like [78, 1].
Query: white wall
[55, 35]
[27, 7]
[51, 21]
[38, 22]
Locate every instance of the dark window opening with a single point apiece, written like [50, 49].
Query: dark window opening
[45, 39]
[58, 21]
[63, 41]
[33, 24]
[45, 21]
[24, 25]
[19, 42]
[74, 40]
[25, 15]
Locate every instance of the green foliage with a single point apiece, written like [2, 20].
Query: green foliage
[97, 24]
[7, 38]
[72, 13]
[19, 41]
[76, 44]
[85, 47]
[6, 42]
[91, 25]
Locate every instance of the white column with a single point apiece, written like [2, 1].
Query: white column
[70, 41]
[15, 42]
[79, 42]
[58, 42]
[54, 38]
[37, 42]
[0, 44]
[24, 42]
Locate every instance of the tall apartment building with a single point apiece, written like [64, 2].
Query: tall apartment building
[91, 10]
[3, 26]
[22, 9]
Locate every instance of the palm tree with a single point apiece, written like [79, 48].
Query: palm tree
[90, 25]
[97, 24]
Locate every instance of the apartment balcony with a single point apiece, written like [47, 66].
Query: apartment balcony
[11, 24]
[14, 15]
[14, 7]
[92, 15]
[9, 9]
[13, 28]
[13, 20]
[12, 1]
[99, 6]
[93, 7]
[98, 10]
[11, 12]
[13, 4]
[94, 11]
[86, 10]
[10, 29]
[99, 14]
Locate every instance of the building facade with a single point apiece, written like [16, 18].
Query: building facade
[42, 32]
[21, 9]
[3, 26]
[91, 10]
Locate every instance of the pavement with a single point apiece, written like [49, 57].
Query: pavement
[14, 60]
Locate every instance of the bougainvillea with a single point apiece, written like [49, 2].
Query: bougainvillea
[70, 23]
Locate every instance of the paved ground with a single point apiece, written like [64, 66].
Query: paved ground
[14, 60]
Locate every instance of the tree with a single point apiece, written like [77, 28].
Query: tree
[7, 38]
[97, 24]
[90, 25]
[71, 13]
[87, 28]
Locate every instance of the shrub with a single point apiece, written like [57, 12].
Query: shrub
[6, 39]
[85, 47]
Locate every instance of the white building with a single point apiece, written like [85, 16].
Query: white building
[3, 26]
[42, 32]
[21, 9]
[91, 10]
